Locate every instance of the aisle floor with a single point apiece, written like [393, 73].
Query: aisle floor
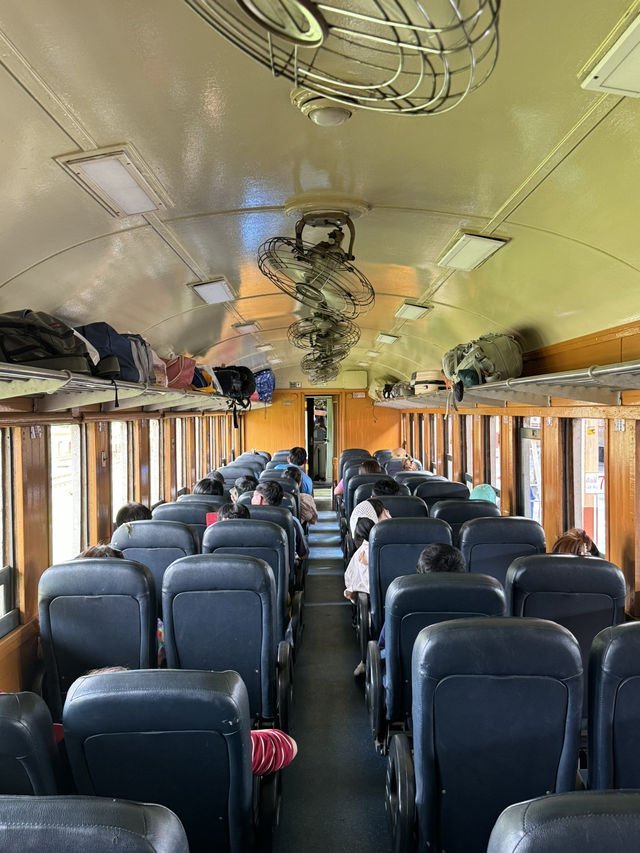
[333, 793]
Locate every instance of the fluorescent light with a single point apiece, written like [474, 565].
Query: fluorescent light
[213, 292]
[246, 328]
[118, 178]
[469, 251]
[363, 364]
[386, 339]
[411, 311]
[274, 360]
[372, 353]
[264, 347]
[618, 72]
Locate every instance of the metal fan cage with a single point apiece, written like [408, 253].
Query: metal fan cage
[323, 331]
[406, 57]
[319, 281]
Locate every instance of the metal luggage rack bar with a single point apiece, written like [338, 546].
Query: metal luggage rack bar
[598, 384]
[56, 390]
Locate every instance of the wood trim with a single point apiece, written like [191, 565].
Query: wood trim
[508, 466]
[99, 481]
[552, 479]
[621, 499]
[142, 462]
[169, 459]
[18, 657]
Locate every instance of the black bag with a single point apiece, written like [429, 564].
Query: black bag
[36, 339]
[230, 381]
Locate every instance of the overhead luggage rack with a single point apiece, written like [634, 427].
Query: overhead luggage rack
[599, 385]
[55, 391]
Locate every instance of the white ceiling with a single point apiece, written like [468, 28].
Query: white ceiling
[530, 156]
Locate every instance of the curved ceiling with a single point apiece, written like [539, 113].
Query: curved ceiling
[530, 157]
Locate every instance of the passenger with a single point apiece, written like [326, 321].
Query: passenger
[208, 486]
[372, 508]
[132, 512]
[269, 493]
[483, 492]
[298, 457]
[308, 509]
[216, 475]
[575, 541]
[409, 464]
[233, 511]
[100, 551]
[356, 577]
[382, 488]
[367, 466]
[242, 485]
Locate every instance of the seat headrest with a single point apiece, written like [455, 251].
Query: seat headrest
[504, 530]
[155, 533]
[248, 532]
[405, 506]
[95, 576]
[457, 510]
[618, 650]
[219, 572]
[445, 591]
[409, 531]
[566, 573]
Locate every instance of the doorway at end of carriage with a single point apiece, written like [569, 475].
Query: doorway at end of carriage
[319, 437]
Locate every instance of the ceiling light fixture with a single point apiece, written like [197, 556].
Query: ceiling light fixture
[264, 347]
[386, 339]
[213, 292]
[274, 360]
[372, 353]
[118, 178]
[618, 72]
[469, 251]
[411, 311]
[246, 328]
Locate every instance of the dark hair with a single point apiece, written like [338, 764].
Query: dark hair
[207, 486]
[369, 466]
[228, 511]
[294, 474]
[216, 475]
[439, 557]
[377, 505]
[244, 484]
[132, 512]
[362, 531]
[271, 491]
[385, 487]
[575, 541]
[297, 455]
[100, 551]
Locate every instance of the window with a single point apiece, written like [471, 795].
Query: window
[448, 443]
[530, 480]
[467, 450]
[156, 467]
[433, 443]
[9, 613]
[421, 440]
[411, 435]
[492, 452]
[198, 447]
[119, 465]
[587, 489]
[180, 449]
[66, 478]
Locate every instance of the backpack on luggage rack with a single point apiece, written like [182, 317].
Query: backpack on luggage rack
[490, 358]
[265, 384]
[37, 339]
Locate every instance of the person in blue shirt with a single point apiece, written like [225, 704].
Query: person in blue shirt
[298, 457]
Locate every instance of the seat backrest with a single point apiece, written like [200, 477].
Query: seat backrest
[193, 513]
[496, 715]
[614, 708]
[350, 486]
[289, 486]
[382, 456]
[393, 466]
[94, 613]
[455, 512]
[575, 822]
[410, 476]
[214, 500]
[363, 491]
[220, 613]
[394, 548]
[255, 464]
[354, 455]
[280, 515]
[432, 491]
[252, 458]
[415, 601]
[27, 748]
[351, 469]
[254, 537]
[490, 545]
[585, 594]
[176, 737]
[99, 824]
[233, 471]
[405, 506]
[155, 544]
[280, 456]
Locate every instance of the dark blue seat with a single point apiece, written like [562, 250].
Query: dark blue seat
[155, 544]
[575, 822]
[405, 506]
[233, 471]
[27, 749]
[174, 737]
[289, 486]
[253, 460]
[412, 603]
[351, 485]
[393, 466]
[394, 548]
[455, 512]
[220, 613]
[411, 476]
[213, 500]
[363, 491]
[95, 824]
[263, 539]
[288, 500]
[280, 456]
[585, 594]
[352, 456]
[94, 613]
[431, 491]
[614, 708]
[496, 715]
[382, 456]
[490, 545]
[193, 513]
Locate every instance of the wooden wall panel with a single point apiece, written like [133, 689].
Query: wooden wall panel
[169, 456]
[278, 427]
[141, 458]
[99, 481]
[508, 466]
[620, 477]
[480, 474]
[552, 479]
[372, 428]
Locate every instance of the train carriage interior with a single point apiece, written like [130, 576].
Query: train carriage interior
[390, 245]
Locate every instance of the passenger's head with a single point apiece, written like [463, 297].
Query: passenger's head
[399, 453]
[577, 542]
[132, 512]
[364, 526]
[297, 456]
[100, 551]
[267, 492]
[216, 475]
[379, 509]
[230, 510]
[439, 557]
[294, 474]
[384, 487]
[103, 669]
[408, 464]
[369, 466]
[242, 485]
[207, 486]
[483, 492]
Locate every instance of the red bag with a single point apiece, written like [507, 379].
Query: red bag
[180, 371]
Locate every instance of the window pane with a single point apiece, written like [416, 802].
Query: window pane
[468, 454]
[433, 425]
[119, 466]
[155, 462]
[531, 468]
[179, 455]
[494, 454]
[66, 491]
[589, 508]
[6, 497]
[421, 440]
[448, 437]
[198, 448]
